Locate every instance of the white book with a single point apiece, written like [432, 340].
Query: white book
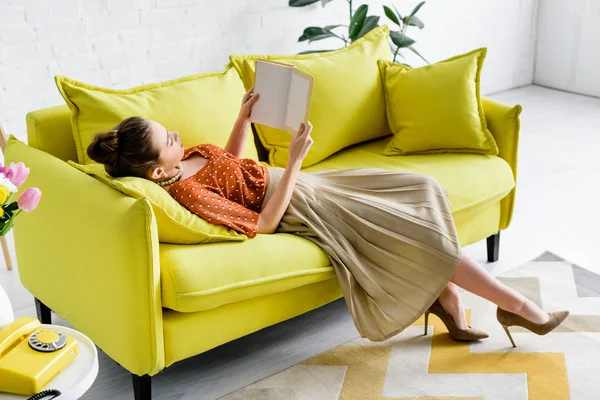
[285, 95]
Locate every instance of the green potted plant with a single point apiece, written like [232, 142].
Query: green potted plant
[360, 23]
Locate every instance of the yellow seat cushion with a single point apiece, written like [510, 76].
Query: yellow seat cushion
[348, 104]
[202, 108]
[174, 222]
[471, 180]
[206, 276]
[437, 108]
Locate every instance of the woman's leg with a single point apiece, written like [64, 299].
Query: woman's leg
[451, 302]
[473, 277]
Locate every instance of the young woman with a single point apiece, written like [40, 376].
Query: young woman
[389, 234]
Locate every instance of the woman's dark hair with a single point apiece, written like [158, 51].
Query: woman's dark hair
[125, 150]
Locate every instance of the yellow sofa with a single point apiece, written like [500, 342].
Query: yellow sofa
[92, 254]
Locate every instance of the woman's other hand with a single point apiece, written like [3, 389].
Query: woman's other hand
[247, 102]
[274, 210]
[300, 144]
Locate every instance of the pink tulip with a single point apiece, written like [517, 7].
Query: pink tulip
[17, 173]
[29, 199]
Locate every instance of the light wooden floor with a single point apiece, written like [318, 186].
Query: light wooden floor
[556, 210]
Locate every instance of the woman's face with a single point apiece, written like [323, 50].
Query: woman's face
[170, 148]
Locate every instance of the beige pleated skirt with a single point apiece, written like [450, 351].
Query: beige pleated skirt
[389, 235]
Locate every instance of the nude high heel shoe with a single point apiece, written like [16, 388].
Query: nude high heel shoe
[462, 335]
[507, 319]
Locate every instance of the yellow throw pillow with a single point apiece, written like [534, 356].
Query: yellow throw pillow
[174, 222]
[347, 105]
[436, 108]
[202, 108]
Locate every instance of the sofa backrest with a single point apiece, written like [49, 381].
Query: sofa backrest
[49, 129]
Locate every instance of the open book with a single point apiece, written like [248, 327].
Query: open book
[285, 95]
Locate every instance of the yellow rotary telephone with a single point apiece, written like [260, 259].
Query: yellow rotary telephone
[31, 355]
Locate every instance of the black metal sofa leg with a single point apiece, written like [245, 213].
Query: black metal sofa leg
[493, 247]
[142, 387]
[44, 314]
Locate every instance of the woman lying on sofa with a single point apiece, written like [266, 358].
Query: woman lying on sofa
[389, 234]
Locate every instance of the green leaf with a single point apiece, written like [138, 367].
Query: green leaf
[370, 23]
[5, 227]
[397, 12]
[417, 53]
[357, 22]
[324, 2]
[301, 3]
[401, 40]
[414, 21]
[416, 9]
[11, 207]
[314, 51]
[390, 14]
[321, 37]
[313, 31]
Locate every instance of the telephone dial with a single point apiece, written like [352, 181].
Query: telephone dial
[31, 355]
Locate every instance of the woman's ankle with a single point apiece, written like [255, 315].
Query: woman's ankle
[453, 306]
[534, 313]
[530, 311]
[515, 307]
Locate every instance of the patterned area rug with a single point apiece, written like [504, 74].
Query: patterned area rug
[561, 365]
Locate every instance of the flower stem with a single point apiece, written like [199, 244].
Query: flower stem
[338, 36]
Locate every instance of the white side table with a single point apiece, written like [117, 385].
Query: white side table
[78, 377]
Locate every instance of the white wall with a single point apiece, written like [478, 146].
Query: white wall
[568, 52]
[123, 43]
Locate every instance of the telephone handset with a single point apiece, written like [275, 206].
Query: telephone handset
[31, 355]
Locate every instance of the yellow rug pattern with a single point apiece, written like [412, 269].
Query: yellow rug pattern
[559, 366]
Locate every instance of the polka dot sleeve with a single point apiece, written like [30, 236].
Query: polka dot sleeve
[217, 209]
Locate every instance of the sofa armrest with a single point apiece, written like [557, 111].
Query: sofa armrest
[90, 253]
[504, 123]
[49, 129]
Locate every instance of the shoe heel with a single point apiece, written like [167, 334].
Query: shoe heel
[509, 335]
[426, 321]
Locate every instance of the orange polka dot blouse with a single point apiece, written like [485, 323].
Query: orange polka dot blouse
[227, 191]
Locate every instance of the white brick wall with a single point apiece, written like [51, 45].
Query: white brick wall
[123, 43]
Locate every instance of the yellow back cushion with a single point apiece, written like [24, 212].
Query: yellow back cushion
[202, 108]
[175, 223]
[348, 105]
[437, 108]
